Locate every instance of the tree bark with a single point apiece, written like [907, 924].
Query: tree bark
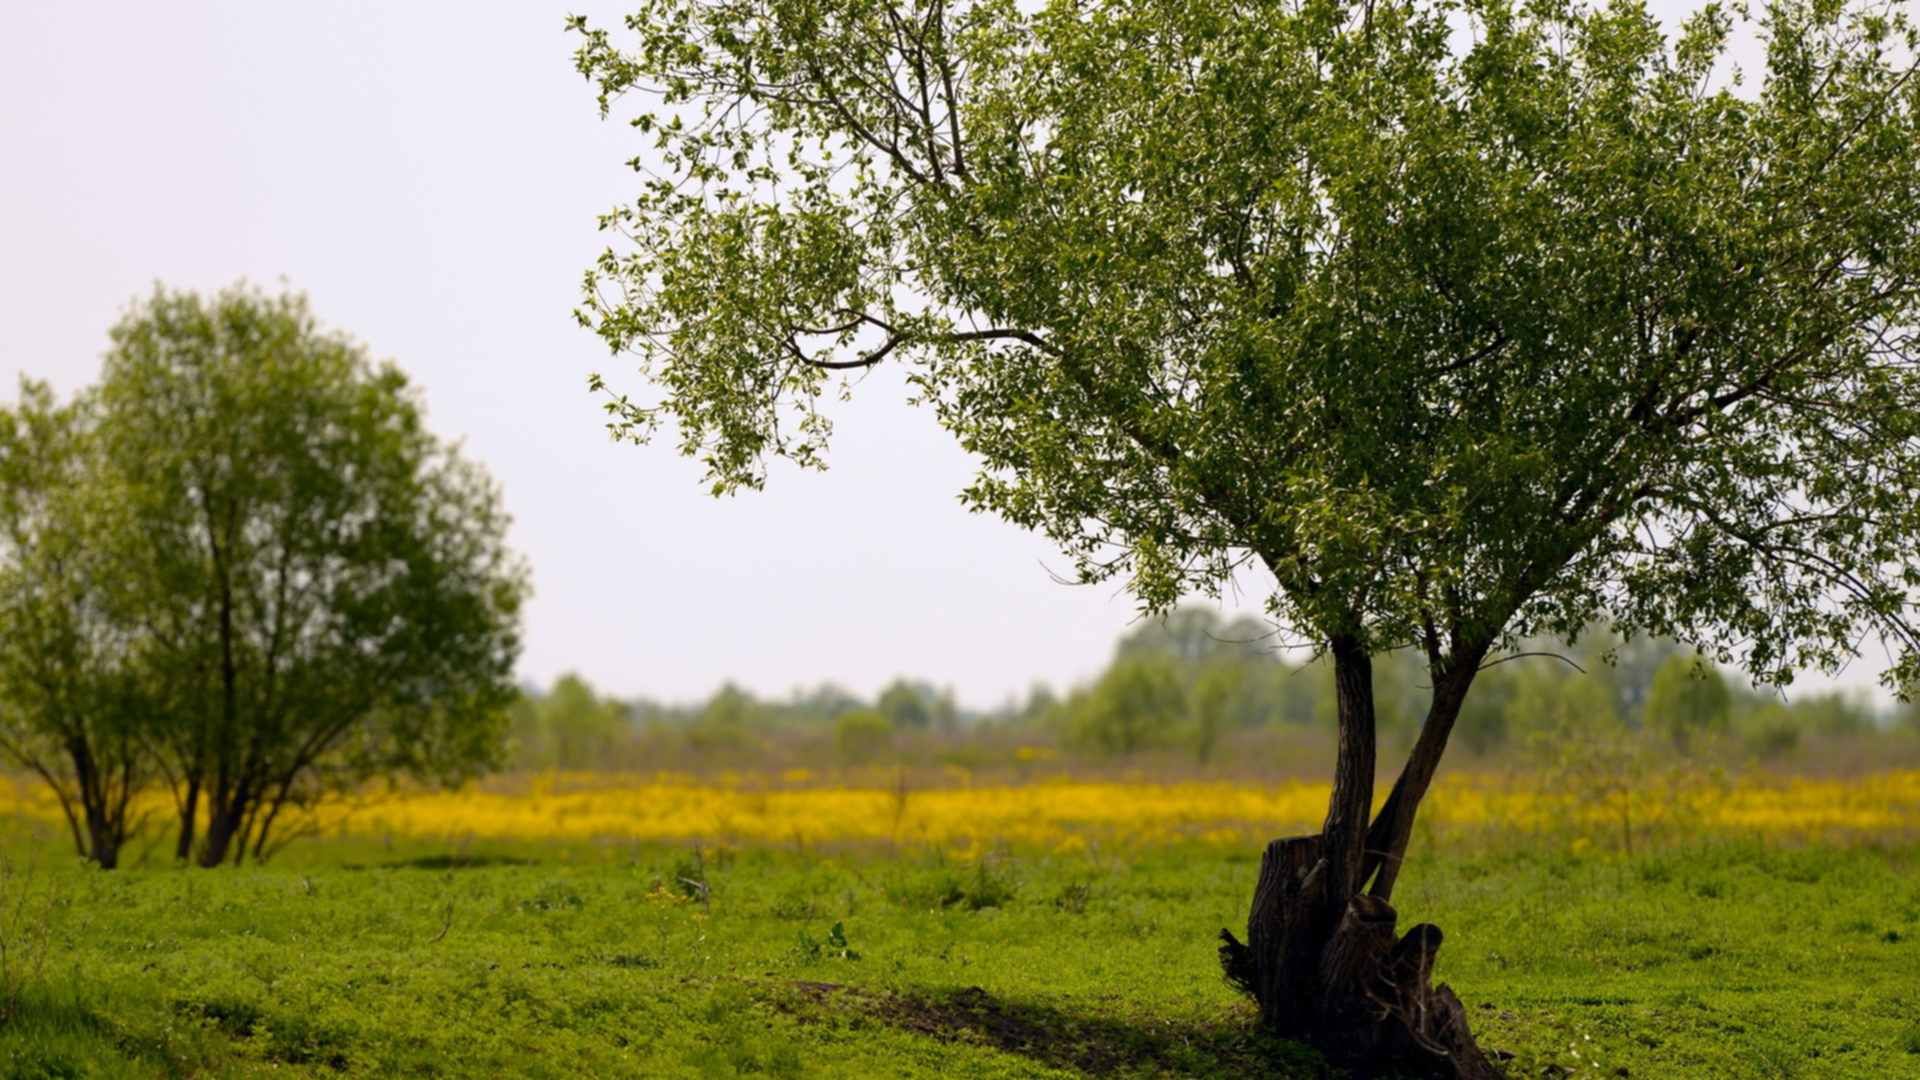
[225, 816]
[1392, 829]
[1344, 833]
[189, 816]
[1322, 958]
[104, 830]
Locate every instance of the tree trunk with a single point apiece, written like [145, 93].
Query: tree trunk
[1393, 828]
[105, 840]
[189, 815]
[103, 832]
[1322, 957]
[224, 820]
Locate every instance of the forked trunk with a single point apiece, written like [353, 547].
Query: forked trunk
[1323, 957]
[225, 820]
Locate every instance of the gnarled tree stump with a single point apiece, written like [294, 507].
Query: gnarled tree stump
[1330, 972]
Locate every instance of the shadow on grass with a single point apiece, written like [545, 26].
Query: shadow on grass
[47, 1034]
[37, 1009]
[444, 862]
[1069, 1039]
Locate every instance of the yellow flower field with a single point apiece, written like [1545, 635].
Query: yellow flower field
[794, 809]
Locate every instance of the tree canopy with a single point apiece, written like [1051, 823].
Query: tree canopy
[266, 562]
[1463, 337]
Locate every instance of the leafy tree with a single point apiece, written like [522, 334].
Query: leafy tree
[726, 721]
[825, 704]
[569, 727]
[75, 698]
[326, 582]
[1195, 634]
[1138, 703]
[1483, 721]
[1835, 712]
[1688, 698]
[917, 706]
[1549, 707]
[862, 735]
[1627, 667]
[1041, 703]
[1469, 323]
[1219, 687]
[1771, 730]
[905, 707]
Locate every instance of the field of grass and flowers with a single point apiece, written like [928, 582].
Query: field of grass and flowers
[940, 922]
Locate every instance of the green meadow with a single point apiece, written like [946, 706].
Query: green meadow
[350, 958]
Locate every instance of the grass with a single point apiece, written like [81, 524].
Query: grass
[350, 958]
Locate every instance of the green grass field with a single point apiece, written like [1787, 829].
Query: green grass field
[348, 959]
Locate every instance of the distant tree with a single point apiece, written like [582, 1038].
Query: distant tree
[326, 582]
[76, 701]
[904, 706]
[726, 721]
[1040, 704]
[917, 706]
[826, 703]
[1688, 698]
[1835, 712]
[1552, 708]
[568, 727]
[1138, 703]
[1470, 323]
[862, 735]
[1627, 668]
[1770, 730]
[1220, 687]
[1195, 633]
[1484, 716]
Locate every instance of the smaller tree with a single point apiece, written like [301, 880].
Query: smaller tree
[73, 695]
[1688, 698]
[325, 582]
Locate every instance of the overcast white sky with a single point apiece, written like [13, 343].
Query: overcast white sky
[429, 173]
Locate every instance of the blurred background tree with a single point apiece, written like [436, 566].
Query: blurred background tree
[1687, 699]
[568, 727]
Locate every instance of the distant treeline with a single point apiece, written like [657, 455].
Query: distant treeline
[1188, 681]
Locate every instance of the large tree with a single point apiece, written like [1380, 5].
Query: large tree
[323, 582]
[1469, 322]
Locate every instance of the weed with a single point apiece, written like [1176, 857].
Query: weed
[834, 947]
